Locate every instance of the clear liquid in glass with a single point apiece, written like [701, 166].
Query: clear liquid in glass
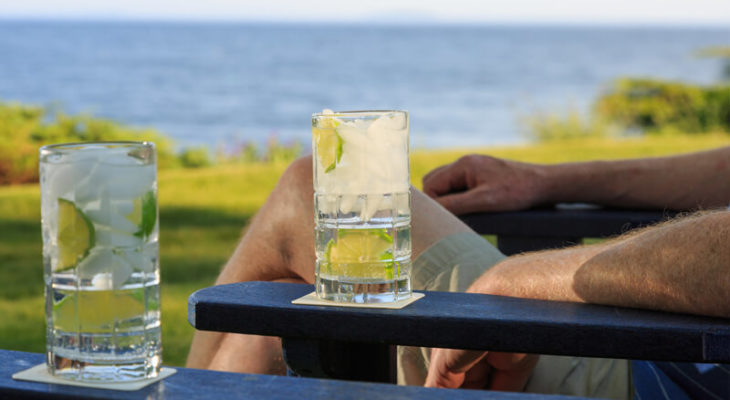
[362, 206]
[100, 252]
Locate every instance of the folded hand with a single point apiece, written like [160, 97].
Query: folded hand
[476, 183]
[479, 369]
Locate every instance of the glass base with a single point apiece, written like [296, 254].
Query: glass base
[109, 371]
[363, 291]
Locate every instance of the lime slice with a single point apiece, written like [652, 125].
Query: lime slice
[135, 216]
[326, 266]
[96, 311]
[361, 253]
[328, 143]
[144, 214]
[75, 235]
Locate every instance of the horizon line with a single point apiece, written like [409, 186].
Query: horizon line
[366, 21]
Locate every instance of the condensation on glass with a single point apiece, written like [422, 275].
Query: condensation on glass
[362, 206]
[100, 254]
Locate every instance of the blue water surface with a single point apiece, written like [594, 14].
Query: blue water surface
[216, 84]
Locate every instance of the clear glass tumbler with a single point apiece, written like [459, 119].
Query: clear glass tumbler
[100, 255]
[362, 206]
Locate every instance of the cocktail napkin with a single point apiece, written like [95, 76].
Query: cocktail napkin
[39, 373]
[312, 300]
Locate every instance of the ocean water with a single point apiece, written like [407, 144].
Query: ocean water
[220, 84]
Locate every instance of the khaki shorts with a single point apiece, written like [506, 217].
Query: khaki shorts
[452, 264]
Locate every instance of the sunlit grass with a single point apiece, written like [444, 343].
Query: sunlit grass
[202, 213]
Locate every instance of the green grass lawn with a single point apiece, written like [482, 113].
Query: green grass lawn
[202, 213]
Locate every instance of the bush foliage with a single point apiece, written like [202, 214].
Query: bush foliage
[552, 127]
[24, 129]
[247, 152]
[657, 106]
[195, 157]
[641, 106]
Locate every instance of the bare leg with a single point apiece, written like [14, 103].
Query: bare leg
[279, 246]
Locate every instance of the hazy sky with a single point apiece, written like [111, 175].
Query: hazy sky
[695, 12]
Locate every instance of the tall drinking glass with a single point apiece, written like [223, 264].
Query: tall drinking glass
[100, 256]
[362, 206]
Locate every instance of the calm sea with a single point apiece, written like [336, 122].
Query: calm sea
[217, 84]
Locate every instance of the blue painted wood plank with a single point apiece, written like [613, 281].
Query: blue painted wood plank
[564, 220]
[471, 321]
[194, 384]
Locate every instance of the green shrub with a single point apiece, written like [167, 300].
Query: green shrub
[657, 106]
[551, 127]
[277, 152]
[23, 129]
[195, 157]
[248, 152]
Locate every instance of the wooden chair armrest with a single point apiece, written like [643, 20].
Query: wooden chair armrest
[461, 320]
[560, 225]
[194, 384]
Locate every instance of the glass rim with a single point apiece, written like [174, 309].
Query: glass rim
[114, 143]
[358, 113]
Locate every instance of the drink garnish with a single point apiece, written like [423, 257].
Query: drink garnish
[328, 142]
[75, 235]
[360, 253]
[144, 214]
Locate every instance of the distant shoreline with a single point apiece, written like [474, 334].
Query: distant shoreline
[367, 23]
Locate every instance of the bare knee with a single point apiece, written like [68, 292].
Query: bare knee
[281, 236]
[299, 174]
[293, 196]
[291, 202]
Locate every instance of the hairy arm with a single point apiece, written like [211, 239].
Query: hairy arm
[679, 266]
[478, 183]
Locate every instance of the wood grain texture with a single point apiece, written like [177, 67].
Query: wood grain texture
[564, 220]
[194, 384]
[469, 321]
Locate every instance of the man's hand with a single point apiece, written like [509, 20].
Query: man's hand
[477, 183]
[479, 370]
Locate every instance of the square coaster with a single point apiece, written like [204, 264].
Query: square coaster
[39, 373]
[312, 300]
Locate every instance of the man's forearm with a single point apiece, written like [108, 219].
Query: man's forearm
[689, 181]
[681, 266]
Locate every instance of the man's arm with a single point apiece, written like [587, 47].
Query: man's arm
[482, 183]
[682, 182]
[680, 266]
